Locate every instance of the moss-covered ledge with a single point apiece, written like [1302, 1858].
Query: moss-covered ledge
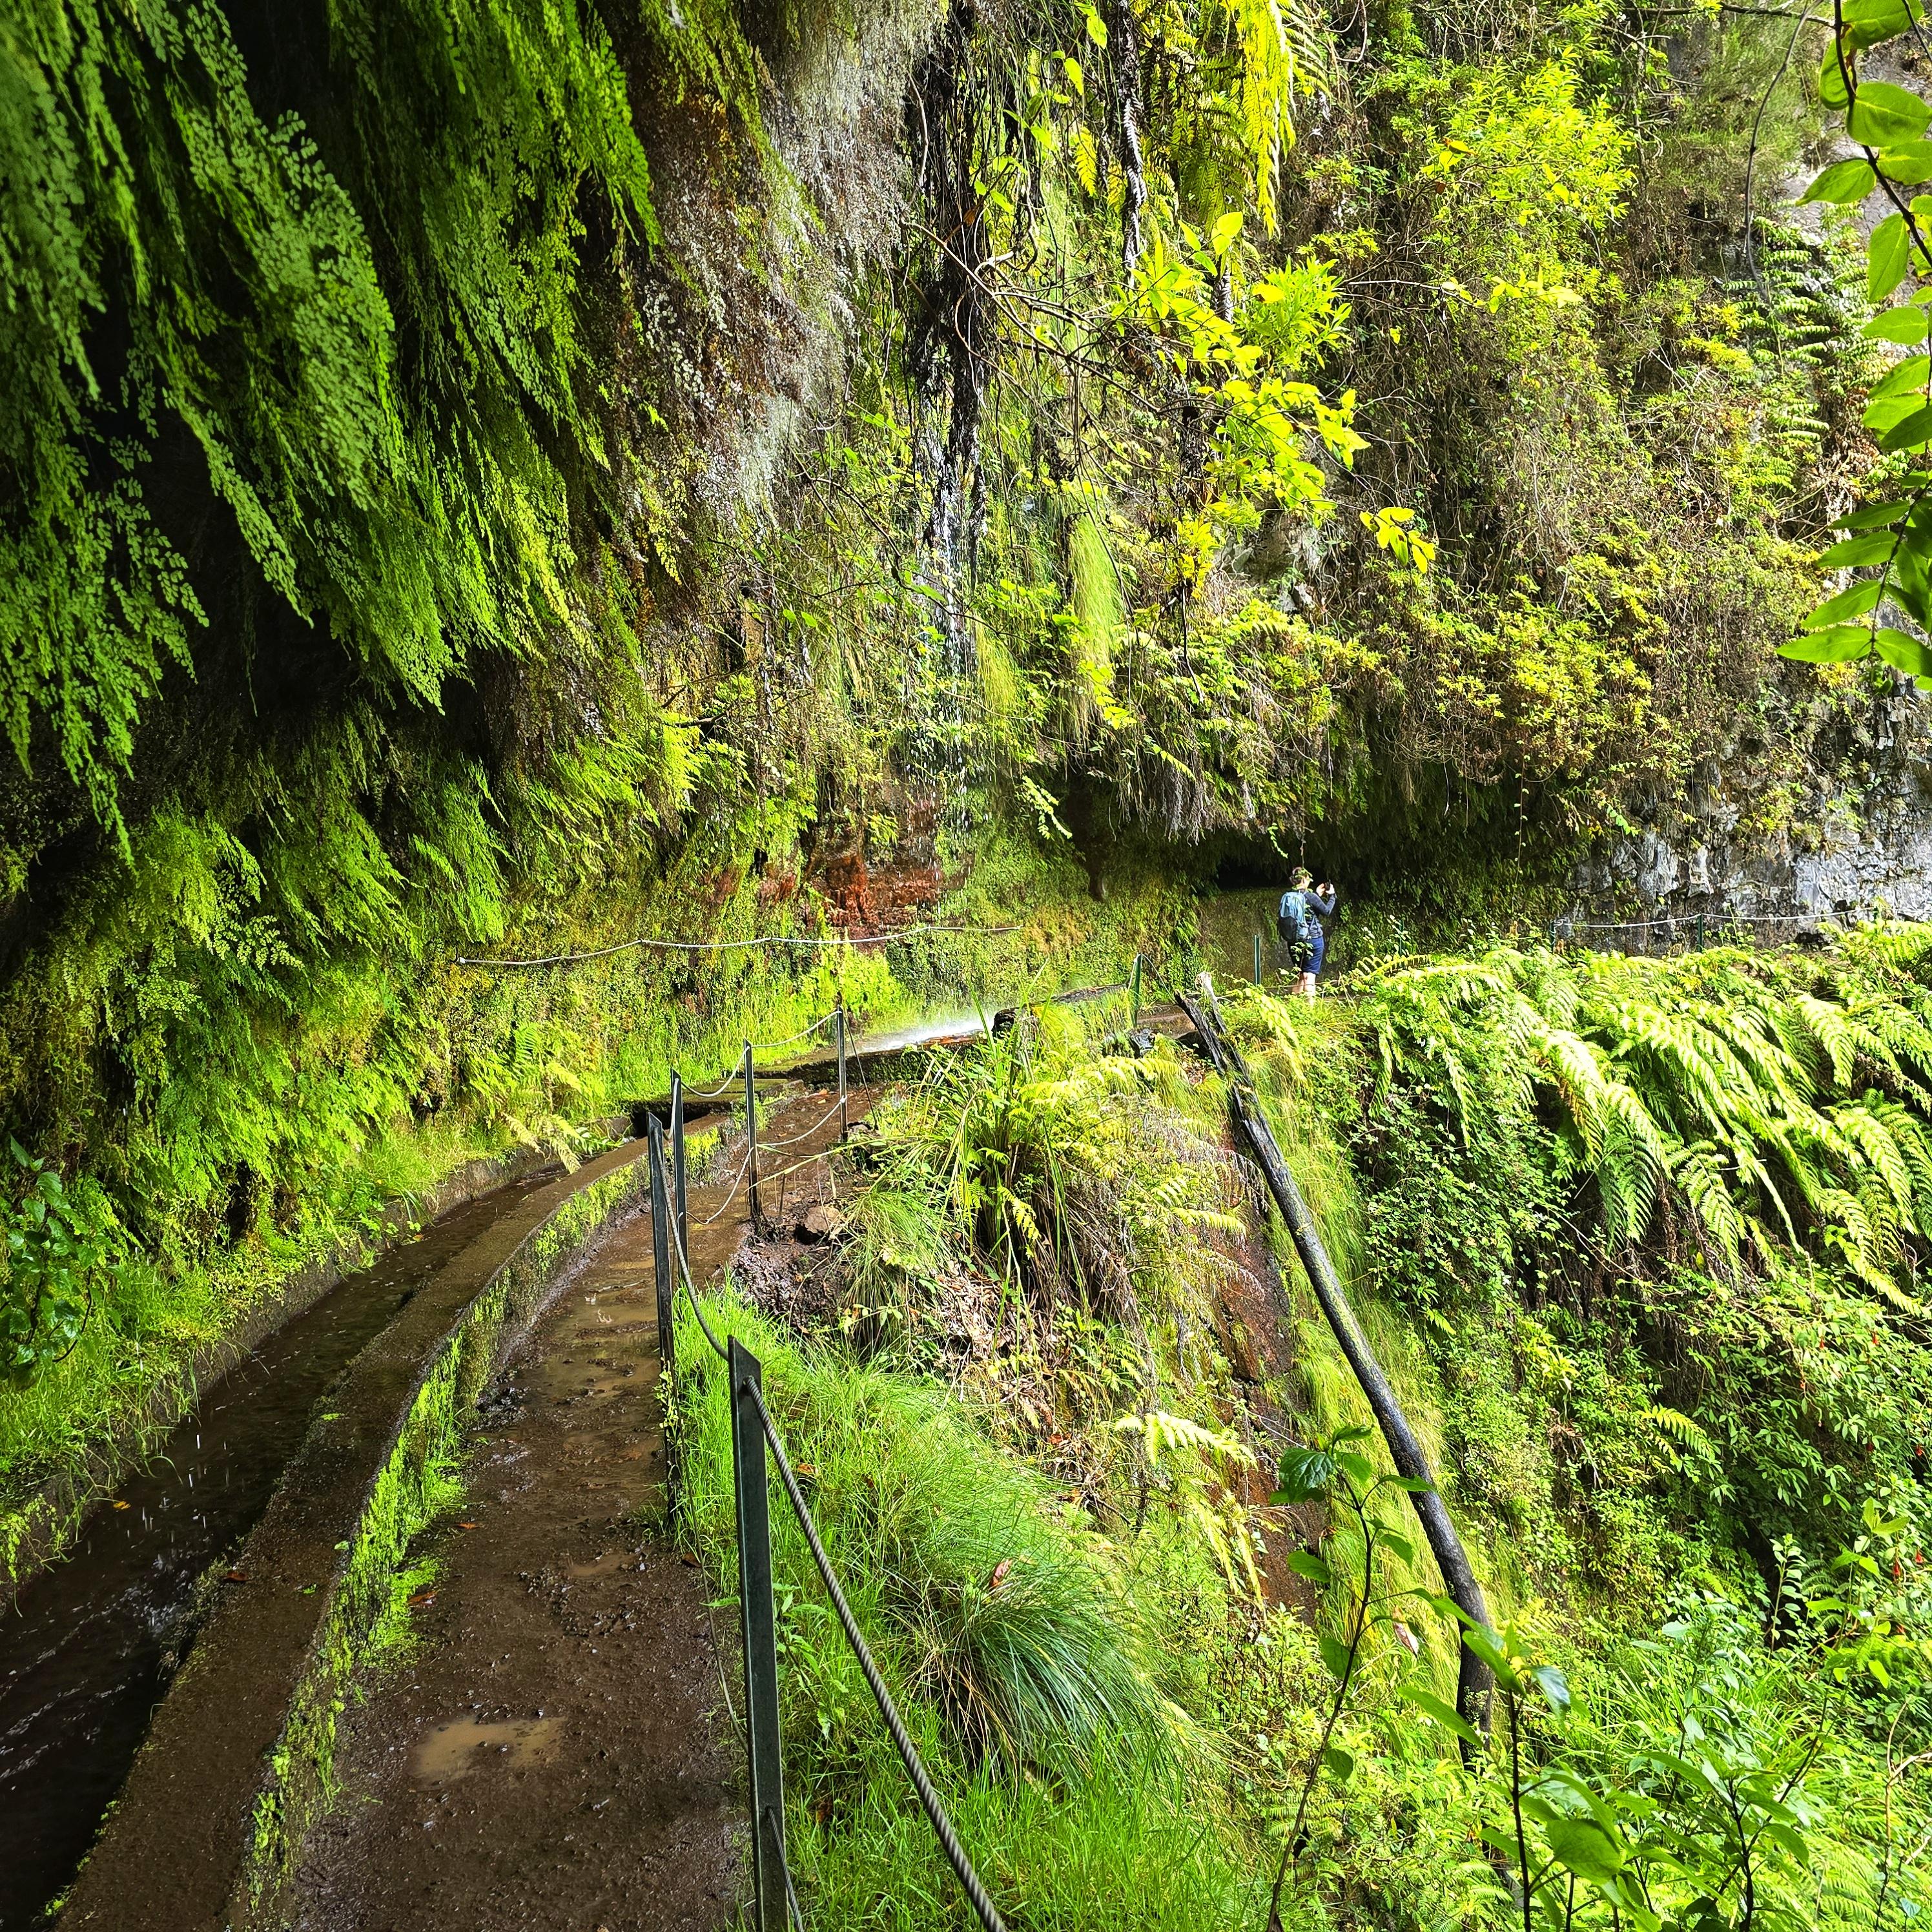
[240, 1755]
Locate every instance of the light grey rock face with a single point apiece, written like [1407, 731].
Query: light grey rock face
[1861, 845]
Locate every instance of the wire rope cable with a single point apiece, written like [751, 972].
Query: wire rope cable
[806, 940]
[792, 1140]
[737, 1180]
[791, 1039]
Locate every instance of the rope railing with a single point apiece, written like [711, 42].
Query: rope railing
[752, 1432]
[801, 940]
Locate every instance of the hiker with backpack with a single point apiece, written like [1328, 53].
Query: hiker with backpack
[1303, 907]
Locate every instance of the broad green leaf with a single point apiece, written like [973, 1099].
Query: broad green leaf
[1839, 645]
[1483, 1644]
[1444, 1713]
[1872, 516]
[1305, 1475]
[1885, 116]
[1905, 652]
[1398, 1546]
[1908, 165]
[1889, 412]
[1848, 603]
[1903, 376]
[1554, 1685]
[1897, 324]
[1886, 254]
[1304, 1564]
[1831, 80]
[1842, 181]
[1867, 22]
[1914, 433]
[1334, 1654]
[1339, 1764]
[1872, 547]
[1586, 1848]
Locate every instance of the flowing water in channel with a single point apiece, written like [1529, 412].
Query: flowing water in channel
[84, 1649]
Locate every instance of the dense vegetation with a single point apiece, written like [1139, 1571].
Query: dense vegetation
[487, 493]
[1638, 1241]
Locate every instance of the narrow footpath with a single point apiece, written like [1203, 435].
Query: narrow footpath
[555, 1749]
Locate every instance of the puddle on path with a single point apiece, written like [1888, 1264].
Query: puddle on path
[454, 1749]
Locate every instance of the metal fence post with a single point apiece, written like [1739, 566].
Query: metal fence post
[677, 1163]
[663, 1274]
[1134, 993]
[760, 1632]
[838, 1020]
[752, 1140]
[660, 1261]
[1258, 959]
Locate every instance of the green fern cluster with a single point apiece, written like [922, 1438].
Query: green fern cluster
[1739, 1101]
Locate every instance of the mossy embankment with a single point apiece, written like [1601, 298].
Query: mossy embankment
[1039, 1444]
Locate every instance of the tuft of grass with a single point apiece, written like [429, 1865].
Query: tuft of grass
[1011, 1641]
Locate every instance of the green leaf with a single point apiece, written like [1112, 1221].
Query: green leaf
[1903, 376]
[1889, 412]
[1339, 1764]
[1838, 645]
[1831, 80]
[1586, 1848]
[1554, 1685]
[1874, 546]
[1484, 1645]
[1914, 433]
[1872, 517]
[1445, 1714]
[1305, 1475]
[1334, 1654]
[1897, 325]
[1886, 255]
[1907, 166]
[1398, 1546]
[1852, 603]
[1885, 116]
[1304, 1564]
[1905, 652]
[1867, 22]
[1842, 181]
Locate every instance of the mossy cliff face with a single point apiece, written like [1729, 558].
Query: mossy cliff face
[503, 486]
[382, 379]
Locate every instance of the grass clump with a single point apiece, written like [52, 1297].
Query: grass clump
[1015, 1641]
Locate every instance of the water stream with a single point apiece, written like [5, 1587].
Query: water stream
[84, 1649]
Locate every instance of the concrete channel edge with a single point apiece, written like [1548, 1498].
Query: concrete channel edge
[238, 1764]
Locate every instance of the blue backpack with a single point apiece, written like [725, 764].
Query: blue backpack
[1292, 922]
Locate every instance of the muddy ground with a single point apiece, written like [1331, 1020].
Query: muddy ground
[556, 1748]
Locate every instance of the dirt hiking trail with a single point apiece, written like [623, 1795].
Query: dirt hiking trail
[555, 1749]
